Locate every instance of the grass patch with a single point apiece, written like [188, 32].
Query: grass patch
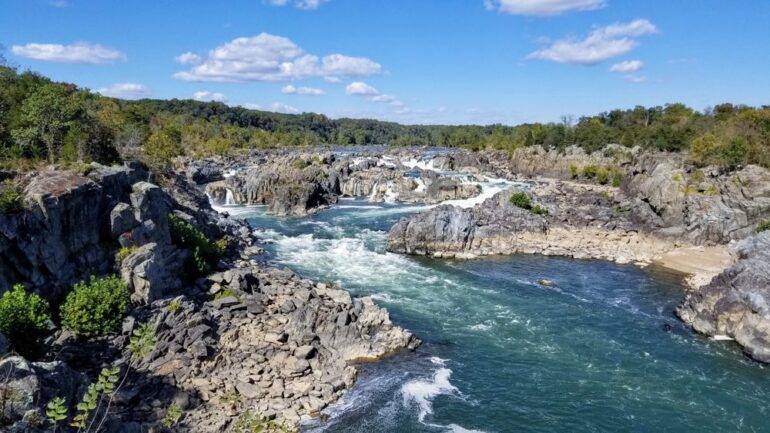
[763, 226]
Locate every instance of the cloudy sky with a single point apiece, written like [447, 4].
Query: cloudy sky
[411, 61]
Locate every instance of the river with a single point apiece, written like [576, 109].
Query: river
[599, 350]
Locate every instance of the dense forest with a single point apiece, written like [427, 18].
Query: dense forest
[45, 121]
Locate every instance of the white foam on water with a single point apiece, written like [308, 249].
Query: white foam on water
[454, 428]
[722, 338]
[351, 206]
[489, 188]
[422, 164]
[423, 391]
[231, 209]
[390, 195]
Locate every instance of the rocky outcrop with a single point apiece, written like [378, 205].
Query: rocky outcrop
[26, 384]
[701, 206]
[736, 303]
[288, 186]
[247, 339]
[582, 222]
[62, 236]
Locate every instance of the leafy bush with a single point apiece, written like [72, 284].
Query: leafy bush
[226, 293]
[602, 175]
[24, 319]
[574, 171]
[105, 385]
[124, 252]
[539, 210]
[521, 199]
[173, 306]
[10, 197]
[617, 178]
[172, 416]
[142, 341]
[590, 171]
[763, 226]
[203, 253]
[95, 307]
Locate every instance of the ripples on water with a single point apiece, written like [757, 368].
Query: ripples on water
[503, 353]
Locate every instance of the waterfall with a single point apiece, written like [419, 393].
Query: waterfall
[229, 198]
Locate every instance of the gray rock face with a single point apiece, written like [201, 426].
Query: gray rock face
[152, 271]
[60, 239]
[202, 172]
[736, 303]
[704, 207]
[27, 387]
[286, 187]
[451, 230]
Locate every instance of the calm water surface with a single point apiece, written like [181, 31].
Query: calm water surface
[600, 350]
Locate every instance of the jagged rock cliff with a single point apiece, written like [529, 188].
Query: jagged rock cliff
[736, 303]
[282, 345]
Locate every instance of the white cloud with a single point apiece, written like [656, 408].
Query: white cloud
[311, 91]
[188, 58]
[635, 78]
[359, 88]
[299, 4]
[542, 7]
[627, 66]
[267, 57]
[601, 44]
[125, 91]
[80, 52]
[280, 107]
[206, 96]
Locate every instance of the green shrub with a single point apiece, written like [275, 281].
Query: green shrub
[95, 307]
[124, 252]
[225, 293]
[589, 171]
[142, 341]
[617, 178]
[574, 171]
[763, 226]
[172, 416]
[521, 199]
[24, 319]
[539, 210]
[10, 197]
[203, 253]
[602, 175]
[173, 306]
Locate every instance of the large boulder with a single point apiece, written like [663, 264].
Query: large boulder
[152, 271]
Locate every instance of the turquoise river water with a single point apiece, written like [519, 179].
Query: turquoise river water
[600, 350]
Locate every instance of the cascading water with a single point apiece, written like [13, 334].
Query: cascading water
[599, 350]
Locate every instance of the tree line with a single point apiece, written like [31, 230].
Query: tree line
[45, 121]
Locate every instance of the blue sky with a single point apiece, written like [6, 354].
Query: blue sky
[411, 61]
